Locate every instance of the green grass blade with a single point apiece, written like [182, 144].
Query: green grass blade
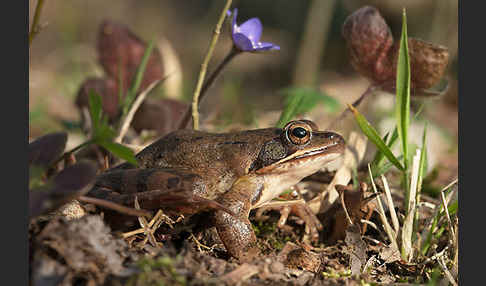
[95, 109]
[137, 80]
[299, 100]
[373, 136]
[120, 151]
[402, 106]
[423, 159]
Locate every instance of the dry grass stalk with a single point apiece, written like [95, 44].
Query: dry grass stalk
[388, 229]
[136, 104]
[391, 205]
[430, 221]
[446, 209]
[146, 229]
[446, 270]
[407, 249]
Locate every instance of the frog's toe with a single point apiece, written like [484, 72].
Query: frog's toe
[298, 208]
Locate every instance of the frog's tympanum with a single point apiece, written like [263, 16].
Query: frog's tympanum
[227, 174]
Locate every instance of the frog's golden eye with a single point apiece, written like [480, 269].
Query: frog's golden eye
[299, 132]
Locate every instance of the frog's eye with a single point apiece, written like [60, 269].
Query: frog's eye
[299, 133]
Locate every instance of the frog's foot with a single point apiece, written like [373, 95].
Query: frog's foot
[298, 208]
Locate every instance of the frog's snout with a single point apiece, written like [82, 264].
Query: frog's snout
[337, 141]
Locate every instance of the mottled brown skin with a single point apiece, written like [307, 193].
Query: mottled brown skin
[230, 173]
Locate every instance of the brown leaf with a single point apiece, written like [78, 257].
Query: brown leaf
[71, 182]
[162, 115]
[45, 149]
[357, 206]
[107, 88]
[356, 249]
[118, 47]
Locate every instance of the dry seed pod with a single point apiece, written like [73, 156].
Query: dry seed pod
[428, 62]
[369, 40]
[374, 54]
[118, 46]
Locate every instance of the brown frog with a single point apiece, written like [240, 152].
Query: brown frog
[229, 174]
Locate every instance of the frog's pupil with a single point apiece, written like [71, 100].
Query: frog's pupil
[299, 132]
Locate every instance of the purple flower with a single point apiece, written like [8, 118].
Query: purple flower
[246, 37]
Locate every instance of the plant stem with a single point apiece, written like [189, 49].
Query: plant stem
[35, 21]
[204, 65]
[357, 102]
[208, 84]
[90, 141]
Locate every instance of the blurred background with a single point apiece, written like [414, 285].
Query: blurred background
[248, 93]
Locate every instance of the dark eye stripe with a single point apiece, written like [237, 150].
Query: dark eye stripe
[299, 132]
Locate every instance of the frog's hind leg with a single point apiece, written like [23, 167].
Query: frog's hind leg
[155, 189]
[235, 231]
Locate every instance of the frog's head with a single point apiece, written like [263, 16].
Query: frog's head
[299, 150]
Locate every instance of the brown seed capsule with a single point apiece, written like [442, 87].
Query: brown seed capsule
[369, 40]
[374, 54]
[120, 47]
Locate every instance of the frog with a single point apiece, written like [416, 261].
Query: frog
[224, 174]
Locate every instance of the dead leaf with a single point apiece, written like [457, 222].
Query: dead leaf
[356, 248]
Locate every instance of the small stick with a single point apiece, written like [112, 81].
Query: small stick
[114, 206]
[446, 271]
[136, 104]
[204, 65]
[35, 21]
[345, 209]
[368, 91]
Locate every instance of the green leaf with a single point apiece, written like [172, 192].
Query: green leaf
[373, 136]
[120, 151]
[423, 158]
[299, 100]
[379, 156]
[402, 110]
[95, 109]
[137, 80]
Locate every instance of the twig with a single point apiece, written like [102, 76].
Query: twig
[345, 209]
[207, 85]
[114, 206]
[357, 102]
[35, 22]
[136, 104]
[204, 65]
[446, 271]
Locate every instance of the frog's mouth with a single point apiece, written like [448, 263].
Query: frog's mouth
[319, 155]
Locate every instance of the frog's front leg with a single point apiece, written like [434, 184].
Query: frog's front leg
[235, 231]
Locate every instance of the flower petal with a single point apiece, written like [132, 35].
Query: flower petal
[252, 29]
[264, 46]
[242, 42]
[234, 27]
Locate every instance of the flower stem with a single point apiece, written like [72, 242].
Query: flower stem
[204, 65]
[208, 84]
[35, 21]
